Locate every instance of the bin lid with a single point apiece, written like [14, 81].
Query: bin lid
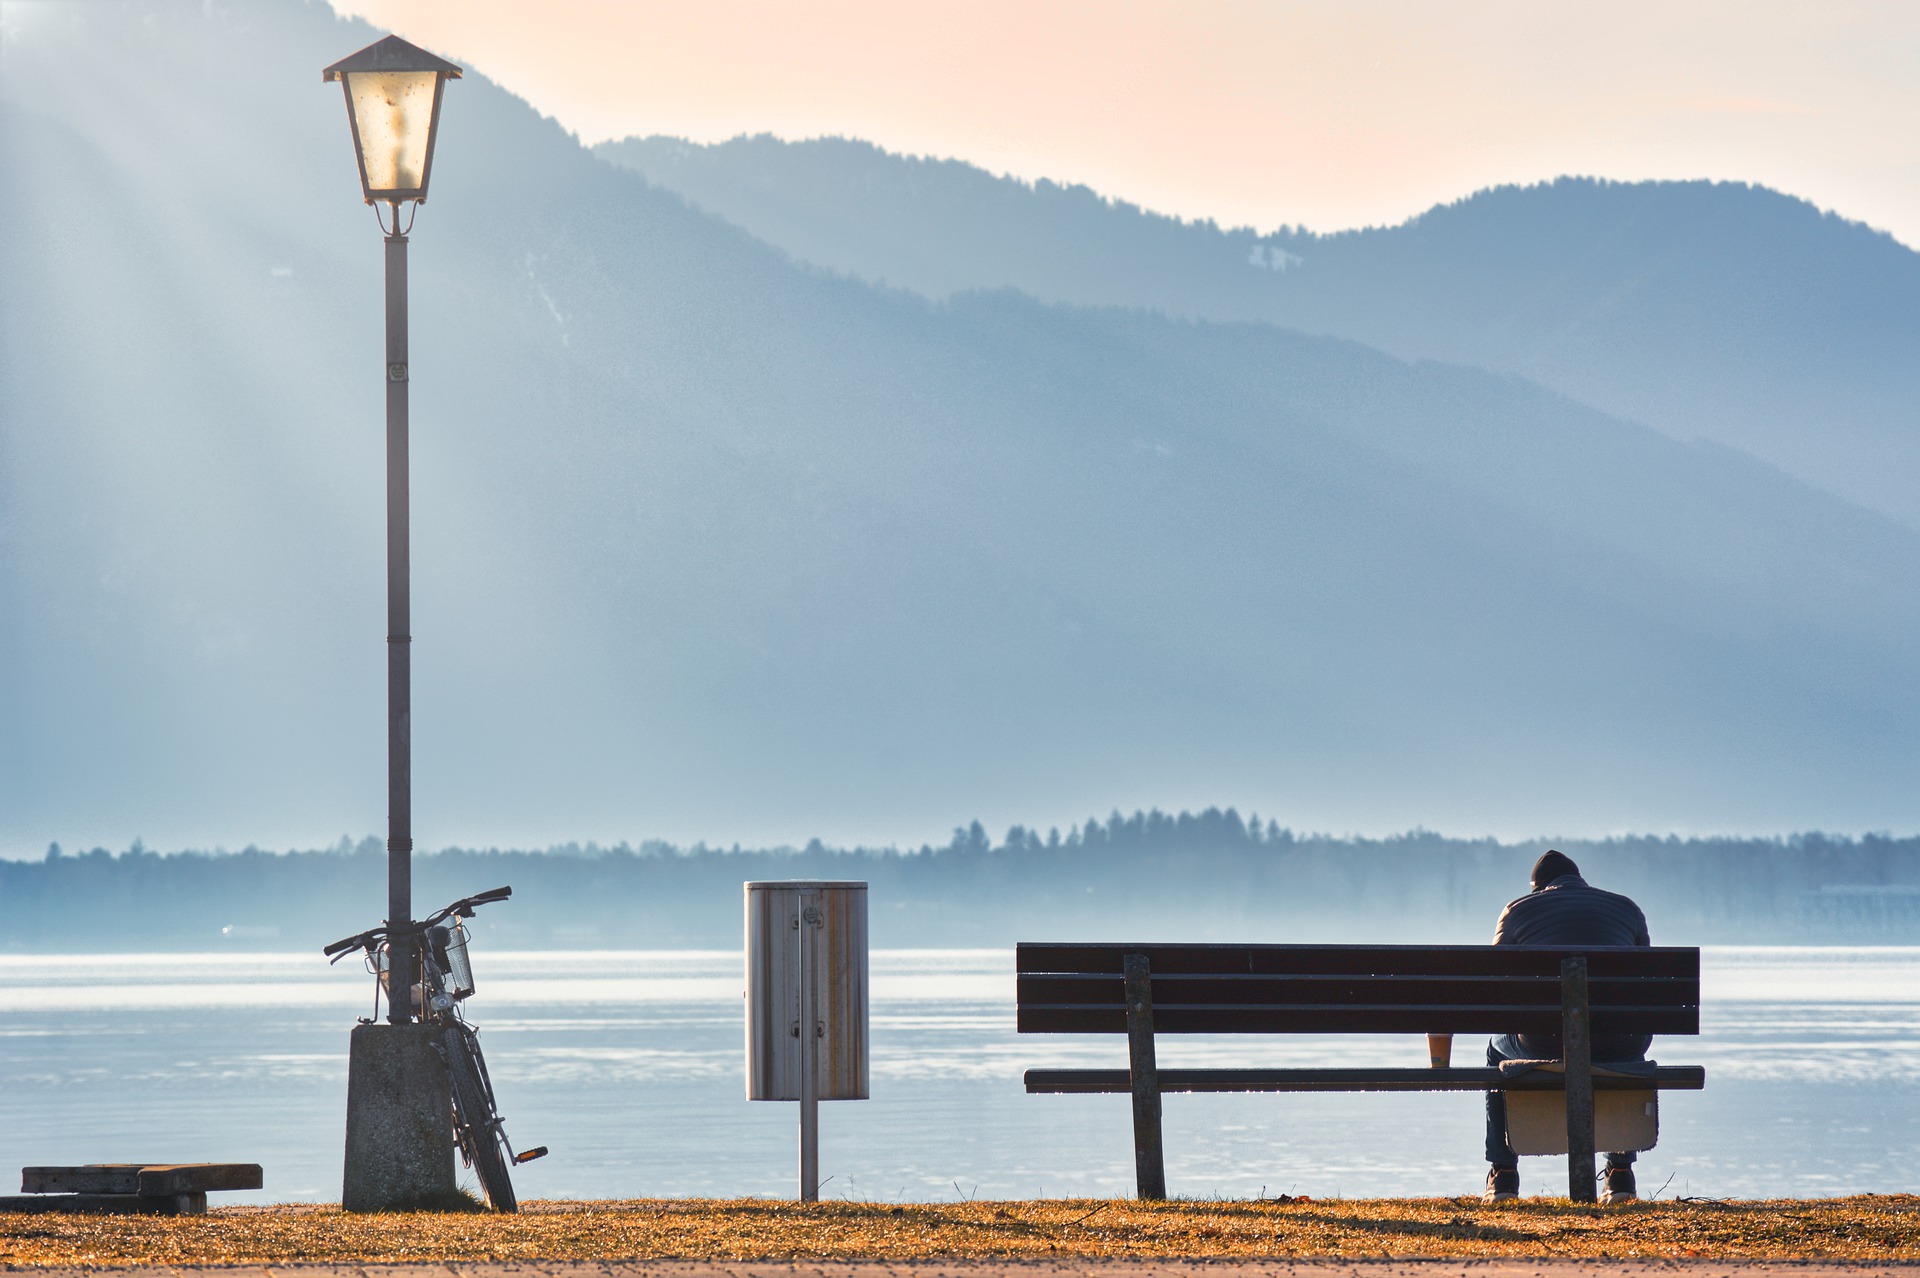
[761, 884]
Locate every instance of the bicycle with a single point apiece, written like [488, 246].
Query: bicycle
[443, 980]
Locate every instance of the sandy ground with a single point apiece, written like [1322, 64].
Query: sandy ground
[759, 1238]
[1072, 1268]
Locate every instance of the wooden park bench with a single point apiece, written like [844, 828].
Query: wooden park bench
[166, 1189]
[1145, 990]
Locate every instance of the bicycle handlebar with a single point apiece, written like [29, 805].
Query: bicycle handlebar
[464, 907]
[345, 944]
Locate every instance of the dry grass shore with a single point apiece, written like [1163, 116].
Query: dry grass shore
[1872, 1227]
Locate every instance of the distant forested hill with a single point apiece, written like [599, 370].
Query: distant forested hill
[1711, 310]
[1210, 875]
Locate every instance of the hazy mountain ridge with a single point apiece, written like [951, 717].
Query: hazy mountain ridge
[1709, 309]
[705, 541]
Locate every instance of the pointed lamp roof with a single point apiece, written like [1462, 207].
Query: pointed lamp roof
[390, 54]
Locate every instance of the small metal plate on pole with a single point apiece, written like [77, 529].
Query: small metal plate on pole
[807, 1001]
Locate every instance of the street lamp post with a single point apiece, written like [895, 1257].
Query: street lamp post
[393, 92]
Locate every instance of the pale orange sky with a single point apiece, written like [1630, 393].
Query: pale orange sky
[1326, 114]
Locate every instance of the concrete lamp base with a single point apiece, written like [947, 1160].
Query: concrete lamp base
[399, 1123]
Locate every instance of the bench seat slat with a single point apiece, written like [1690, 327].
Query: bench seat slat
[1406, 960]
[1413, 1018]
[1092, 1081]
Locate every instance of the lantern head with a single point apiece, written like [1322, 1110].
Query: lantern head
[393, 103]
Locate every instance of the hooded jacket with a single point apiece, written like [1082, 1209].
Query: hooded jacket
[1568, 912]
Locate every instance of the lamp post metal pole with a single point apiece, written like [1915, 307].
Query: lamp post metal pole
[399, 643]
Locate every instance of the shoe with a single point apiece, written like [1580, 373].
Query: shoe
[1618, 1187]
[1503, 1185]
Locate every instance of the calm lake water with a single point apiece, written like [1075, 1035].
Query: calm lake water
[629, 1065]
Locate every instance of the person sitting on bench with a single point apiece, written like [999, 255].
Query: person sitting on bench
[1561, 910]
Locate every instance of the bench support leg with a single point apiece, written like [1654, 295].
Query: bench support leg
[1577, 1049]
[1149, 1162]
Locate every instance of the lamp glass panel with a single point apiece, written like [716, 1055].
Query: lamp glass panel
[394, 113]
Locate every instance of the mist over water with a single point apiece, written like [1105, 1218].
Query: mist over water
[630, 1065]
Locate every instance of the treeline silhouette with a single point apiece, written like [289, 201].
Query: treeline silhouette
[1197, 876]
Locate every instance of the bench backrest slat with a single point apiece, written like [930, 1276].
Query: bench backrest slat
[1399, 960]
[1355, 1020]
[1511, 991]
[1276, 989]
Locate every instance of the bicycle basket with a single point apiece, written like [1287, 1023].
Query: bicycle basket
[459, 968]
[381, 969]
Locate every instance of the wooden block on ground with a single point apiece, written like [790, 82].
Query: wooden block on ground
[93, 1178]
[199, 1178]
[117, 1204]
[140, 1178]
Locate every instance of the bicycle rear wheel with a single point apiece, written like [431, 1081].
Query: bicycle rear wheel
[475, 1123]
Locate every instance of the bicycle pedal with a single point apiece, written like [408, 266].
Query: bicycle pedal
[527, 1156]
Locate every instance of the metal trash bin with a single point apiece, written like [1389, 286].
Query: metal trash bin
[806, 1000]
